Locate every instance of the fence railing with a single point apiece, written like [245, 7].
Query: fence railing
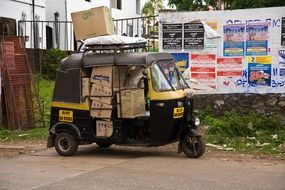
[60, 34]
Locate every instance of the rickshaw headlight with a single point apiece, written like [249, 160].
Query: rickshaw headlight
[197, 121]
[189, 94]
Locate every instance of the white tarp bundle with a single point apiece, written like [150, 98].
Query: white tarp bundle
[113, 40]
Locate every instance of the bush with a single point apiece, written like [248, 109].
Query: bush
[50, 63]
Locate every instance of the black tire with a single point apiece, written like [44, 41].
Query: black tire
[103, 145]
[192, 146]
[65, 144]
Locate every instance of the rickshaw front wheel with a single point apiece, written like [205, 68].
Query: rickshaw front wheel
[192, 146]
[65, 144]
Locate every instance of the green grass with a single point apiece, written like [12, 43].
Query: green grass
[45, 91]
[19, 135]
[245, 132]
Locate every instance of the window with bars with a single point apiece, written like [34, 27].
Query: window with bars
[138, 7]
[116, 4]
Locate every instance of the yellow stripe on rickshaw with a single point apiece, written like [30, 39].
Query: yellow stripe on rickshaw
[83, 106]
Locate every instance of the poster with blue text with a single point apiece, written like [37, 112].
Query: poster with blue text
[234, 39]
[259, 71]
[257, 39]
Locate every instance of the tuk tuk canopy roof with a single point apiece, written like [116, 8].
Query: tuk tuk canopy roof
[79, 60]
[68, 79]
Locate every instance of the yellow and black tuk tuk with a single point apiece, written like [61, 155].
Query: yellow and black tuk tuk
[113, 95]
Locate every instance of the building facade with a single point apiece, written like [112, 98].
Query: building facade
[52, 26]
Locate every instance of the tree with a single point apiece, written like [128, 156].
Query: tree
[151, 7]
[195, 5]
[189, 5]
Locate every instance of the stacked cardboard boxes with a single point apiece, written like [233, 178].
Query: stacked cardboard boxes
[101, 92]
[98, 90]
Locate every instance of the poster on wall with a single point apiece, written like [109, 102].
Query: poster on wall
[229, 70]
[281, 55]
[244, 33]
[259, 71]
[172, 36]
[257, 39]
[181, 61]
[234, 39]
[283, 31]
[203, 71]
[229, 67]
[193, 35]
[213, 24]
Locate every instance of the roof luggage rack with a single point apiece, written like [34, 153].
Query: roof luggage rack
[115, 47]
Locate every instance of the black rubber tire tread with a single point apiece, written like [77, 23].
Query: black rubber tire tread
[73, 144]
[200, 147]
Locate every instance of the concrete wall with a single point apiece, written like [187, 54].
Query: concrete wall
[235, 27]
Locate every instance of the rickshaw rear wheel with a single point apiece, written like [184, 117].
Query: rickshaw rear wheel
[103, 145]
[65, 144]
[192, 146]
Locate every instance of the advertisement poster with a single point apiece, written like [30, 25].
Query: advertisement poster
[203, 71]
[229, 67]
[281, 54]
[172, 36]
[257, 39]
[229, 70]
[212, 24]
[234, 39]
[193, 35]
[181, 60]
[259, 71]
[283, 31]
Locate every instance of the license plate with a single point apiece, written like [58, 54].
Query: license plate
[65, 115]
[178, 112]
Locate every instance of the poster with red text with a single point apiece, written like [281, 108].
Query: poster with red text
[203, 71]
[229, 70]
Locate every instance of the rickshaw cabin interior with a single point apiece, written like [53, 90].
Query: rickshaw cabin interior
[100, 87]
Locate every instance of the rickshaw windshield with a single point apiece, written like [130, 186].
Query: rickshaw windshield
[166, 76]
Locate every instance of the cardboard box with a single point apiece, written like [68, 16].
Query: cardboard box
[102, 76]
[120, 73]
[85, 86]
[104, 128]
[100, 113]
[100, 90]
[92, 22]
[133, 103]
[100, 105]
[103, 100]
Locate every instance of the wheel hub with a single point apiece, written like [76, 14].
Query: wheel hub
[64, 144]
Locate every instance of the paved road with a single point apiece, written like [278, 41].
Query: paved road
[130, 168]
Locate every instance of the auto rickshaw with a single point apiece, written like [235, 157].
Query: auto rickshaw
[167, 108]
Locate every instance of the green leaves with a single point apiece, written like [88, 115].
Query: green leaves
[50, 62]
[151, 7]
[197, 5]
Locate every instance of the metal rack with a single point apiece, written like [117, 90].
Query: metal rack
[115, 48]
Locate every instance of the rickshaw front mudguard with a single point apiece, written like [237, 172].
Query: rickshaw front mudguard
[190, 131]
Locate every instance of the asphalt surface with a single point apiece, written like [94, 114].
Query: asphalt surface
[138, 168]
